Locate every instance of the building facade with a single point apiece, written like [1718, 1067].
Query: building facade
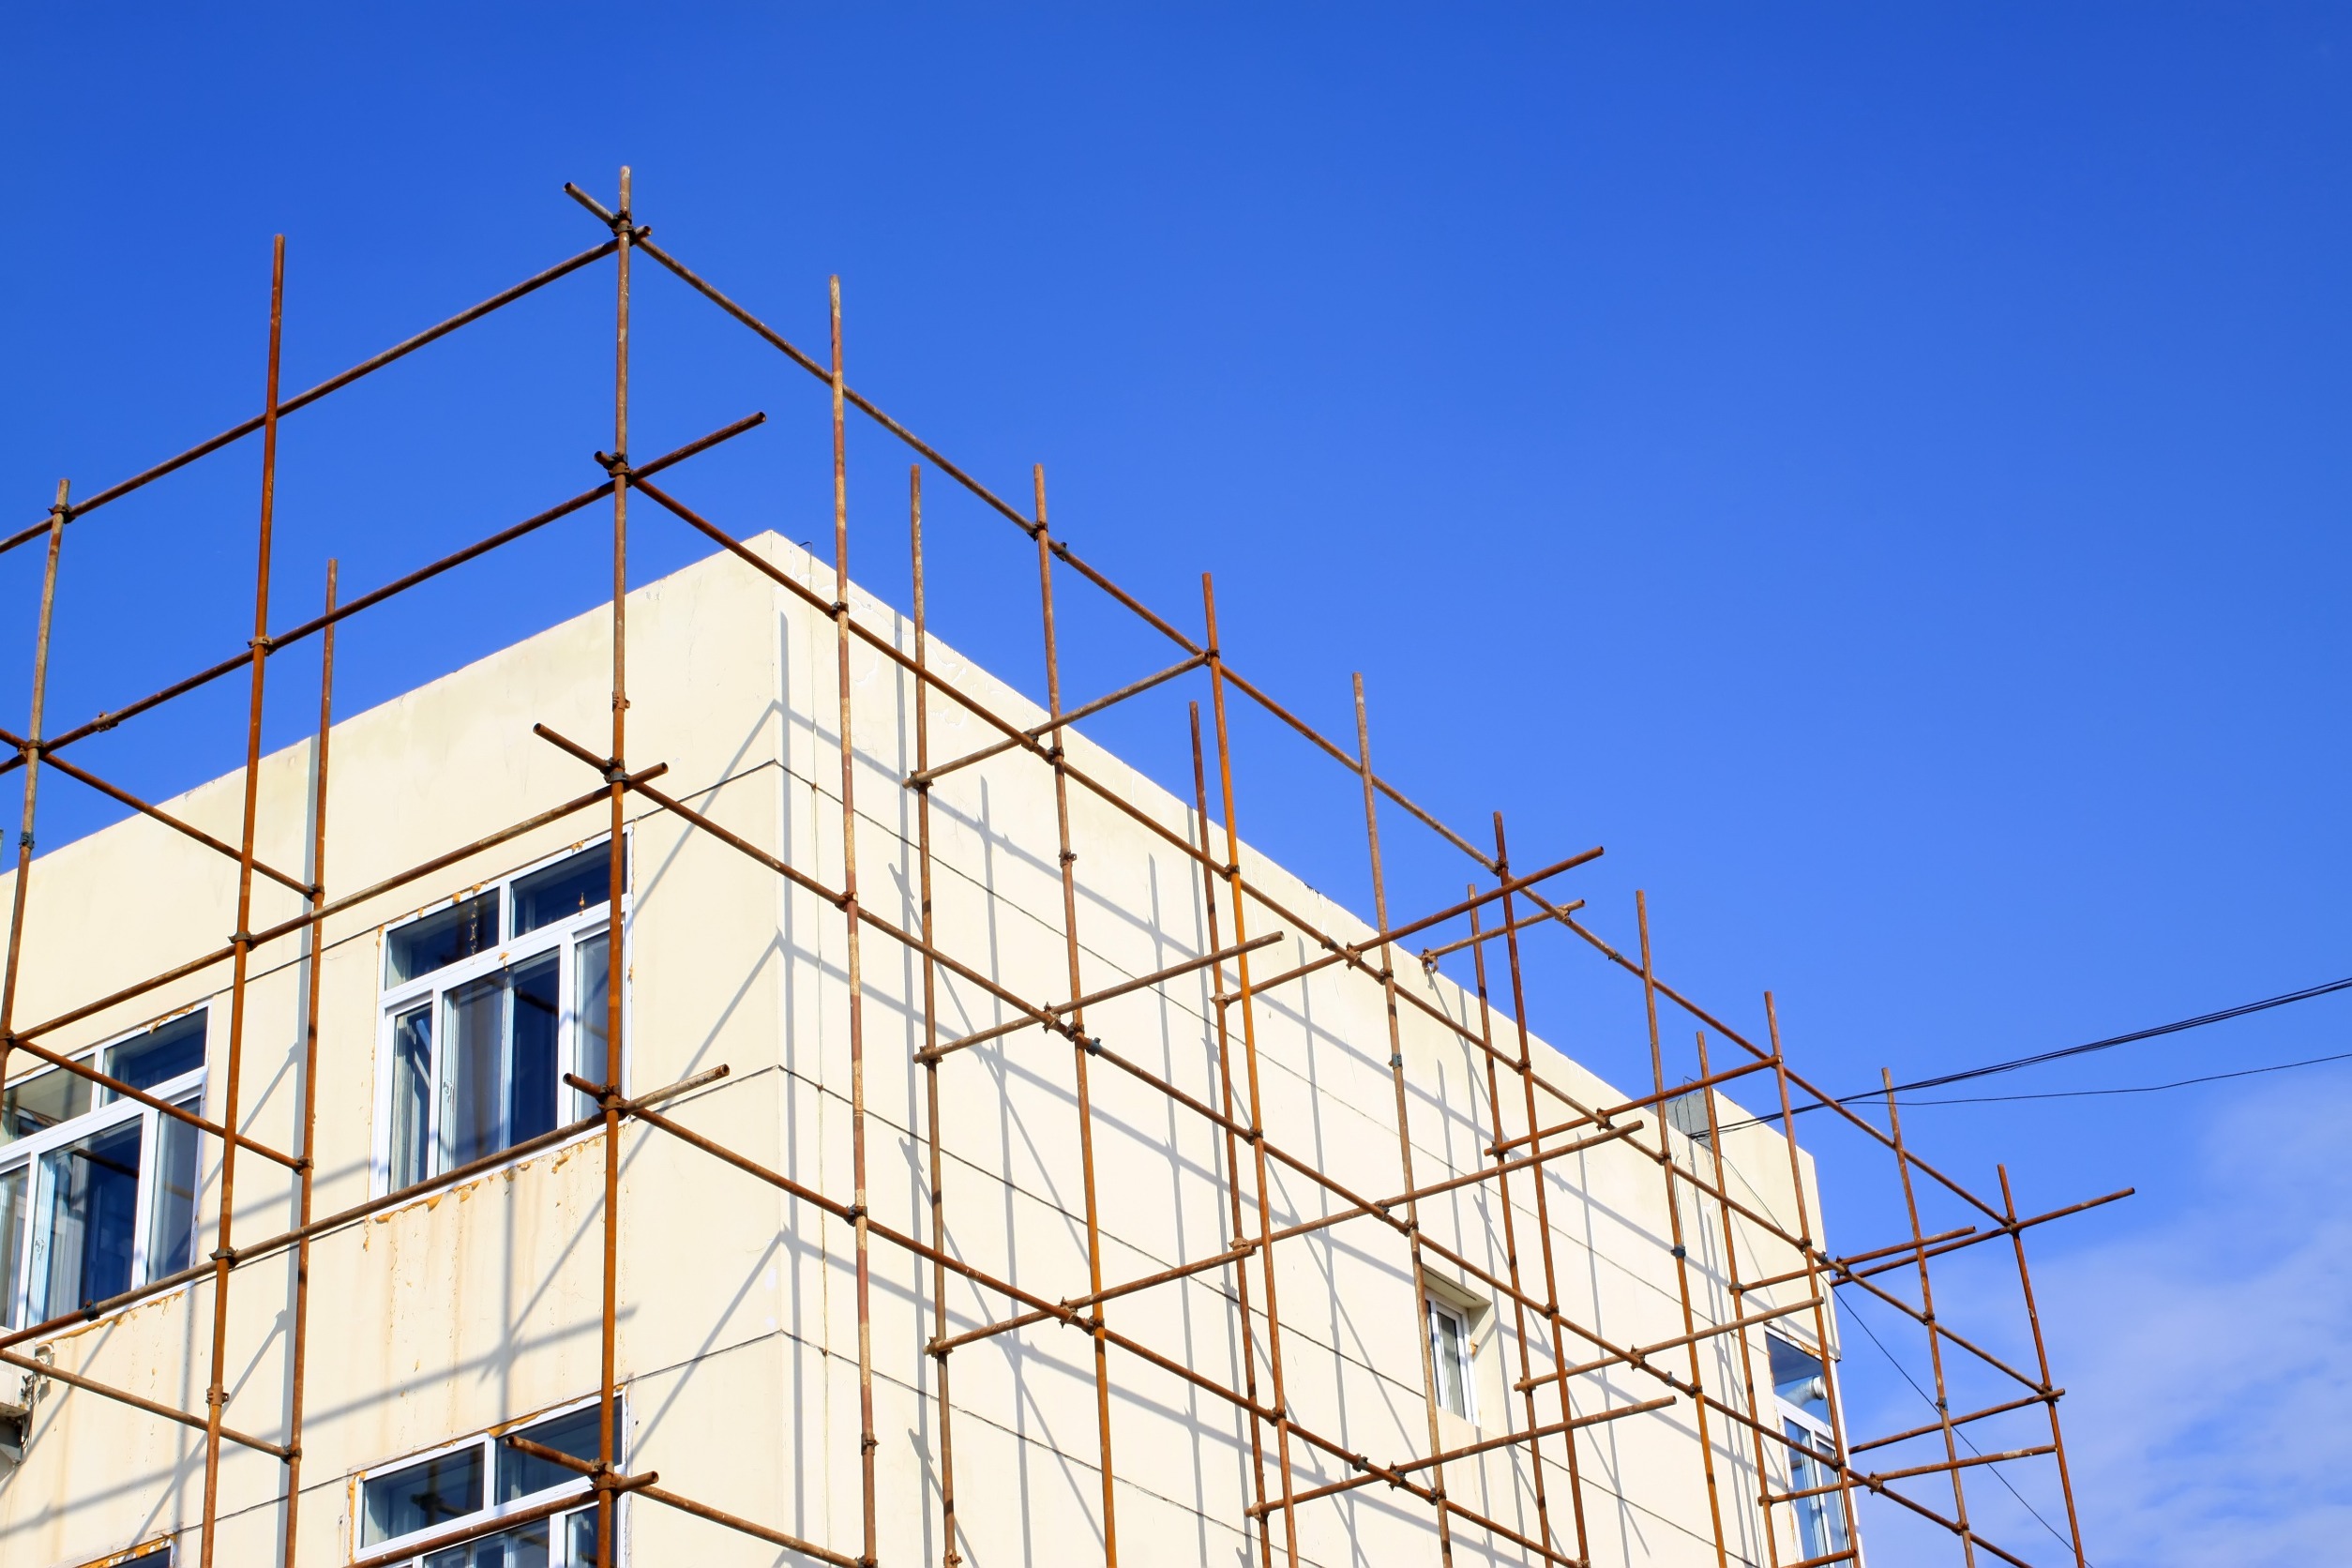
[462, 1026]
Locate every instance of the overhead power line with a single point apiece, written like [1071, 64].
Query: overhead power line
[2134, 1089]
[1991, 1069]
[2112, 1040]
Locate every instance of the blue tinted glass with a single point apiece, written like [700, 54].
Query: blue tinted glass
[440, 940]
[583, 1534]
[93, 1187]
[472, 1050]
[554, 893]
[412, 1096]
[519, 1474]
[531, 1080]
[42, 1101]
[172, 1209]
[525, 1547]
[1797, 1377]
[434, 1493]
[162, 1054]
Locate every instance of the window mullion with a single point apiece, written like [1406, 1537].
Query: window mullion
[38, 1180]
[437, 1053]
[143, 1193]
[506, 1011]
[566, 1022]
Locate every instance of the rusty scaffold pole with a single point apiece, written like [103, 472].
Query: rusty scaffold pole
[305, 1173]
[29, 749]
[1236, 1234]
[616, 890]
[1419, 1271]
[224, 1254]
[2049, 1400]
[1738, 1293]
[928, 1057]
[1824, 1309]
[1256, 1133]
[1673, 1171]
[1511, 1236]
[1524, 1069]
[860, 1213]
[1078, 1042]
[1934, 1340]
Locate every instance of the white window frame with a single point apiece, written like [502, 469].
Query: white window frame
[1797, 1421]
[561, 936]
[1463, 1360]
[491, 1511]
[186, 1091]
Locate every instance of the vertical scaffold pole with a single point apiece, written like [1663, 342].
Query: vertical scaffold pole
[307, 1170]
[1542, 1199]
[866, 1442]
[58, 513]
[217, 1389]
[1404, 1125]
[1241, 998]
[1077, 1016]
[1674, 1221]
[949, 1556]
[1218, 998]
[2041, 1358]
[1927, 1309]
[616, 887]
[1809, 1250]
[1739, 1304]
[1510, 1229]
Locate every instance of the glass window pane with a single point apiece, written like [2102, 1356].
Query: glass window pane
[412, 1090]
[532, 1081]
[159, 1055]
[42, 1101]
[583, 1530]
[93, 1212]
[472, 1052]
[1797, 1378]
[519, 1474]
[422, 1496]
[440, 940]
[172, 1208]
[1449, 1351]
[12, 1239]
[591, 1005]
[1820, 1518]
[524, 1547]
[557, 892]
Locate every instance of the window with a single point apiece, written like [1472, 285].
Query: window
[1450, 1355]
[479, 1481]
[97, 1192]
[488, 1003]
[1801, 1385]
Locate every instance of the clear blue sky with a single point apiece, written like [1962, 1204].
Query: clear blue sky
[1883, 474]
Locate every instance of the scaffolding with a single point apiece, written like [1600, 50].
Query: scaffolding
[1501, 905]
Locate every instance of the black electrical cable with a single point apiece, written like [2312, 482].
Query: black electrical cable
[2134, 1089]
[1945, 1080]
[2108, 1043]
[1861, 1323]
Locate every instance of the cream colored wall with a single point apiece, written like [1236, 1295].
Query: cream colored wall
[474, 1305]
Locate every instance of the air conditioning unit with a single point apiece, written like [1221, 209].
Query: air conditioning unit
[16, 1415]
[16, 1428]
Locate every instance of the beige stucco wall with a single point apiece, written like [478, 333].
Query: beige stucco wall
[475, 1305]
